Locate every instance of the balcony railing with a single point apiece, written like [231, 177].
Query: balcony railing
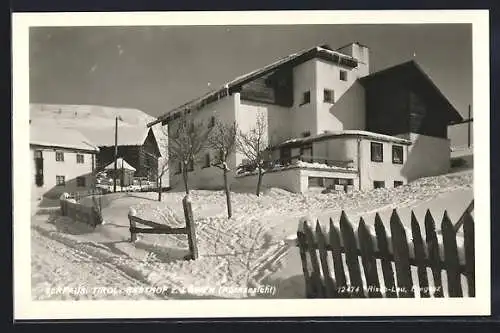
[284, 162]
[320, 160]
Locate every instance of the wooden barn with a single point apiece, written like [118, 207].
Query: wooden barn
[137, 145]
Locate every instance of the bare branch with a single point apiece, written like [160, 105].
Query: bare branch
[223, 140]
[186, 141]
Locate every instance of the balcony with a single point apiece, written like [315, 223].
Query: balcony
[315, 161]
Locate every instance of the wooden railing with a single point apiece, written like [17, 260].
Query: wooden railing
[326, 278]
[157, 228]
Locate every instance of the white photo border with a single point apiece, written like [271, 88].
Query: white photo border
[26, 308]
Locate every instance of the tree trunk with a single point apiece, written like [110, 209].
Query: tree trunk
[159, 189]
[259, 182]
[228, 195]
[185, 179]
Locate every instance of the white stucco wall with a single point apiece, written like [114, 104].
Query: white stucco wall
[362, 54]
[304, 116]
[289, 179]
[67, 168]
[427, 156]
[225, 110]
[348, 112]
[294, 179]
[278, 121]
[348, 109]
[380, 171]
[341, 149]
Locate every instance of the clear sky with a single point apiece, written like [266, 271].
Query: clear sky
[155, 69]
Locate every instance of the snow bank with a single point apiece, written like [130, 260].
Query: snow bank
[237, 252]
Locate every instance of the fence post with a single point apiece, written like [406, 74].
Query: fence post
[190, 228]
[132, 212]
[62, 203]
[95, 216]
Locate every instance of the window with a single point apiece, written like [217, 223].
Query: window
[306, 134]
[328, 96]
[378, 184]
[80, 181]
[285, 155]
[316, 182]
[59, 156]
[190, 166]
[343, 75]
[306, 152]
[344, 181]
[178, 170]
[306, 98]
[397, 183]
[207, 161]
[211, 123]
[397, 154]
[79, 158]
[38, 168]
[60, 181]
[39, 179]
[377, 152]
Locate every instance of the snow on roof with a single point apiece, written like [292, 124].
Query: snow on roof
[127, 135]
[120, 164]
[54, 136]
[333, 134]
[251, 75]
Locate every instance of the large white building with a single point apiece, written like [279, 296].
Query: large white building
[330, 121]
[62, 160]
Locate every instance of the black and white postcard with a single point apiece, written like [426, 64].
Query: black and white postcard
[251, 164]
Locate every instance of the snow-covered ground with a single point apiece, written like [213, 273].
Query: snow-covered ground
[247, 250]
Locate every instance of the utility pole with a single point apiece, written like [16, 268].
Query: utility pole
[116, 153]
[469, 134]
[122, 176]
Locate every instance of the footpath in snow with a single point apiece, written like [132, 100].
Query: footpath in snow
[246, 251]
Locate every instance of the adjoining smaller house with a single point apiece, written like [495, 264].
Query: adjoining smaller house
[124, 172]
[62, 160]
[136, 144]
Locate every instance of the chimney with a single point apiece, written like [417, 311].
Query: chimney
[361, 54]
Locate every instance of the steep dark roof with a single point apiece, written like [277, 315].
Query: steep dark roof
[411, 72]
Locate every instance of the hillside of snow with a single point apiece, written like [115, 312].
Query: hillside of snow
[93, 117]
[250, 249]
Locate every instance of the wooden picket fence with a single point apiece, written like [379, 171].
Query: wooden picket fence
[324, 280]
[157, 228]
[81, 213]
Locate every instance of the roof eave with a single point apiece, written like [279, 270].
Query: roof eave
[229, 87]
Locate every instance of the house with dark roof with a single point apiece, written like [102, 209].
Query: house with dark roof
[331, 122]
[62, 160]
[135, 144]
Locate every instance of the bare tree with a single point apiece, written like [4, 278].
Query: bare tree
[223, 141]
[253, 145]
[186, 140]
[163, 161]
